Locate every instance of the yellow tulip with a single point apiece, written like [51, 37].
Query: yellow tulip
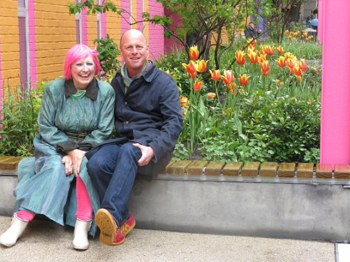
[240, 57]
[201, 66]
[197, 85]
[228, 77]
[243, 79]
[215, 75]
[194, 53]
[281, 61]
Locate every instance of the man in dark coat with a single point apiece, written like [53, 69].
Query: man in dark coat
[251, 31]
[148, 120]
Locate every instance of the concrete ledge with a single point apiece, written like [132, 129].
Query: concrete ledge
[304, 210]
[311, 209]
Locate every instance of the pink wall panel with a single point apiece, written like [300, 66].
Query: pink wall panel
[172, 43]
[1, 87]
[335, 113]
[32, 42]
[156, 32]
[104, 25]
[139, 8]
[125, 4]
[84, 26]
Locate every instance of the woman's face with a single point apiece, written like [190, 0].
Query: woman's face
[83, 71]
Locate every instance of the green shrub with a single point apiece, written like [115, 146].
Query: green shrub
[18, 120]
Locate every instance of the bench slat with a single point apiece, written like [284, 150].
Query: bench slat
[286, 170]
[305, 170]
[268, 169]
[196, 167]
[250, 169]
[342, 171]
[9, 163]
[214, 168]
[165, 171]
[179, 167]
[232, 169]
[324, 170]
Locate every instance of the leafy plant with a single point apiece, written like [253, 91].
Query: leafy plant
[108, 53]
[18, 120]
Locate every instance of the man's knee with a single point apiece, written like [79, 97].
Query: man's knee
[131, 151]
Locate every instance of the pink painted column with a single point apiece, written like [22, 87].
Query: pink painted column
[125, 17]
[104, 24]
[335, 100]
[84, 31]
[32, 43]
[139, 9]
[1, 87]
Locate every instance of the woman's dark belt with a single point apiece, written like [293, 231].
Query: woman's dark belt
[77, 136]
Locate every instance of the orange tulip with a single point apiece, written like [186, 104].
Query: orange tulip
[201, 66]
[240, 57]
[262, 58]
[250, 49]
[211, 95]
[265, 65]
[290, 37]
[228, 77]
[291, 63]
[286, 32]
[298, 78]
[315, 70]
[269, 50]
[288, 55]
[231, 86]
[250, 41]
[190, 68]
[281, 61]
[253, 57]
[194, 53]
[265, 73]
[183, 100]
[243, 79]
[303, 65]
[280, 49]
[192, 75]
[298, 71]
[215, 75]
[197, 85]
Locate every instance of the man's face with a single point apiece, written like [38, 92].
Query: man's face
[134, 50]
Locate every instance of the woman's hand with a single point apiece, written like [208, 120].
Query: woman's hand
[68, 165]
[77, 157]
[147, 154]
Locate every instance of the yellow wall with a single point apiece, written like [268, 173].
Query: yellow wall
[9, 42]
[55, 34]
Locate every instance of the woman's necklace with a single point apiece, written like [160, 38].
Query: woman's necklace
[78, 94]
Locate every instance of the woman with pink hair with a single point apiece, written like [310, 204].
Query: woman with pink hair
[75, 115]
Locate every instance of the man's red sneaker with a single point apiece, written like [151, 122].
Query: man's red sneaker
[110, 233]
[123, 230]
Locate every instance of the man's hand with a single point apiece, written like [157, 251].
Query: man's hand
[68, 165]
[147, 154]
[77, 157]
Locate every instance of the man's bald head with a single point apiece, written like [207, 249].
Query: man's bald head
[131, 32]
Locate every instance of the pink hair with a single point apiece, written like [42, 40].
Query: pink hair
[77, 52]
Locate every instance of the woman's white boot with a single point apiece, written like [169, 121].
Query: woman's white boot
[9, 238]
[81, 230]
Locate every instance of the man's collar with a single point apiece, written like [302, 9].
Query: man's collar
[91, 90]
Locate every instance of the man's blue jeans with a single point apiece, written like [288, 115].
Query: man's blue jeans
[113, 170]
